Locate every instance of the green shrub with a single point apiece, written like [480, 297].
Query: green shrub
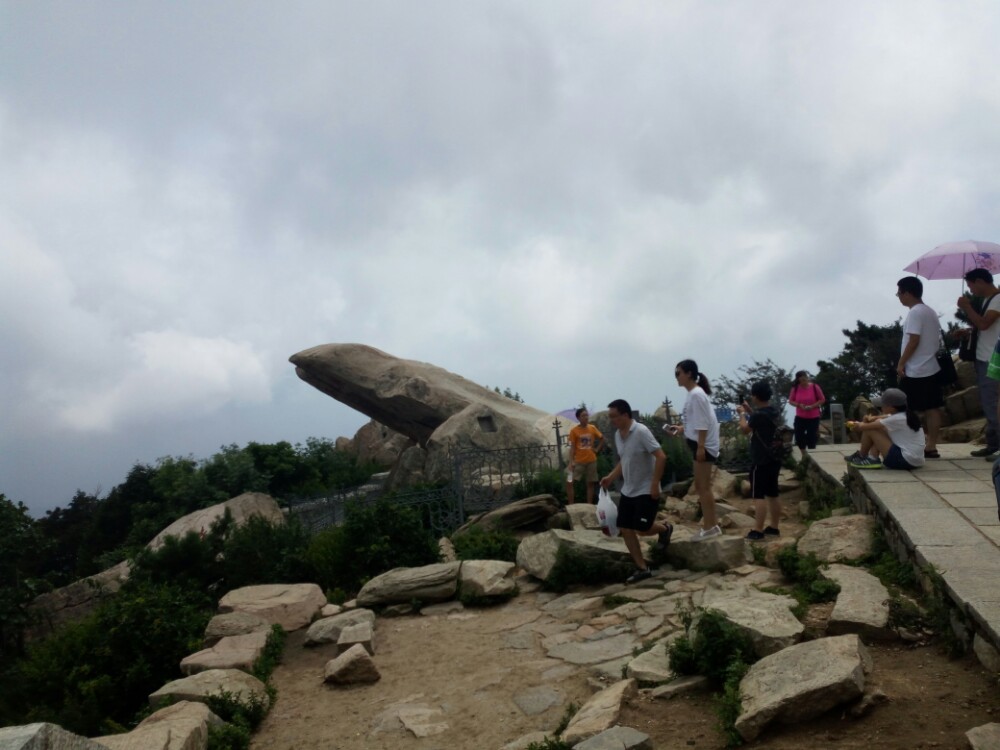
[271, 655]
[228, 737]
[714, 645]
[478, 543]
[247, 712]
[729, 703]
[373, 539]
[680, 462]
[550, 743]
[262, 552]
[92, 676]
[544, 482]
[803, 570]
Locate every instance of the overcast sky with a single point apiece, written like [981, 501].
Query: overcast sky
[563, 198]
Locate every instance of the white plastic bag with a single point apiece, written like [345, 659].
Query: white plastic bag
[607, 513]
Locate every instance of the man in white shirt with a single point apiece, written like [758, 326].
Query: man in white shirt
[985, 321]
[918, 370]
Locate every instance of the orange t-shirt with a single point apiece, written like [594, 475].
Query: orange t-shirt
[582, 441]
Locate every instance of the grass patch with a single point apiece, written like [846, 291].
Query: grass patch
[270, 657]
[803, 571]
[478, 543]
[550, 743]
[611, 601]
[729, 703]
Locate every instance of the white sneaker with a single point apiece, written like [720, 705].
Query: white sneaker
[704, 534]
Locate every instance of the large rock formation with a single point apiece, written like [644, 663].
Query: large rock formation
[438, 409]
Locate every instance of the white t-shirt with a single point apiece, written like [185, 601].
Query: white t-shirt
[911, 444]
[988, 338]
[922, 321]
[699, 415]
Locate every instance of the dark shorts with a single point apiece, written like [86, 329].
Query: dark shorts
[806, 432]
[893, 459]
[637, 513]
[922, 393]
[709, 458]
[764, 480]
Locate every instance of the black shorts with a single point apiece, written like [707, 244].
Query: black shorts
[922, 393]
[637, 513]
[764, 480]
[693, 445]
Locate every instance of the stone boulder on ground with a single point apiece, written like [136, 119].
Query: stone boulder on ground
[801, 682]
[429, 583]
[537, 554]
[526, 513]
[375, 443]
[839, 538]
[75, 601]
[583, 516]
[328, 629]
[200, 686]
[486, 579]
[44, 736]
[354, 666]
[181, 726]
[290, 605]
[440, 410]
[231, 652]
[862, 605]
[984, 737]
[717, 553]
[617, 738]
[766, 618]
[599, 713]
[242, 507]
[234, 623]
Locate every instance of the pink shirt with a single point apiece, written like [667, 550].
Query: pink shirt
[806, 394]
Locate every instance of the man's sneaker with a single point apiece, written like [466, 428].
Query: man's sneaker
[639, 575]
[854, 456]
[986, 452]
[771, 531]
[866, 462]
[704, 534]
[755, 536]
[663, 538]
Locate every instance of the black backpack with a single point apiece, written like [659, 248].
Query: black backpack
[779, 447]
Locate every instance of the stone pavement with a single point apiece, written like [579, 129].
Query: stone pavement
[944, 514]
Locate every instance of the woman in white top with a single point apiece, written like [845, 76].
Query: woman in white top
[895, 435]
[701, 430]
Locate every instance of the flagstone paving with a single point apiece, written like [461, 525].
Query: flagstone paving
[946, 514]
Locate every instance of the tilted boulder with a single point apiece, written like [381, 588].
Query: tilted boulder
[839, 538]
[198, 687]
[486, 578]
[358, 634]
[441, 411]
[583, 516]
[801, 682]
[537, 554]
[290, 605]
[181, 726]
[717, 553]
[242, 507]
[429, 583]
[328, 629]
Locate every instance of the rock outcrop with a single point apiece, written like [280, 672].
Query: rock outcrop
[241, 507]
[439, 410]
[43, 736]
[181, 726]
[839, 538]
[290, 605]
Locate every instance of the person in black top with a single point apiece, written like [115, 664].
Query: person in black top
[760, 420]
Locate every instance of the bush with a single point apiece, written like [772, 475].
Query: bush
[228, 737]
[680, 462]
[572, 568]
[246, 712]
[262, 552]
[544, 482]
[804, 571]
[729, 703]
[373, 539]
[271, 655]
[714, 646]
[478, 543]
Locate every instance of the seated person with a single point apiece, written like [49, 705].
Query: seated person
[894, 436]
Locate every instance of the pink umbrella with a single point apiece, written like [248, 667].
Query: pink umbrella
[953, 260]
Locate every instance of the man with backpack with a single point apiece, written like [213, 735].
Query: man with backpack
[762, 423]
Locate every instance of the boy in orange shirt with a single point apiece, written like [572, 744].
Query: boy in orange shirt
[585, 441]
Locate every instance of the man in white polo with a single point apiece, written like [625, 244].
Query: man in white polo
[985, 322]
[918, 370]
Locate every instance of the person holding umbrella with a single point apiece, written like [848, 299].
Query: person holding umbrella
[918, 367]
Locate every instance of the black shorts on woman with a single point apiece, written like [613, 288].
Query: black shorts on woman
[693, 446]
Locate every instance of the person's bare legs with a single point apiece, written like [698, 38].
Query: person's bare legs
[590, 492]
[880, 443]
[703, 486]
[933, 419]
[866, 442]
[632, 544]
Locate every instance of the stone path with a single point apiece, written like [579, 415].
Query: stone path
[945, 514]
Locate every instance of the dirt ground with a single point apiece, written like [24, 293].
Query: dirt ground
[466, 672]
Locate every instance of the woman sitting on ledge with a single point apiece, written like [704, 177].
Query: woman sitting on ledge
[895, 435]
